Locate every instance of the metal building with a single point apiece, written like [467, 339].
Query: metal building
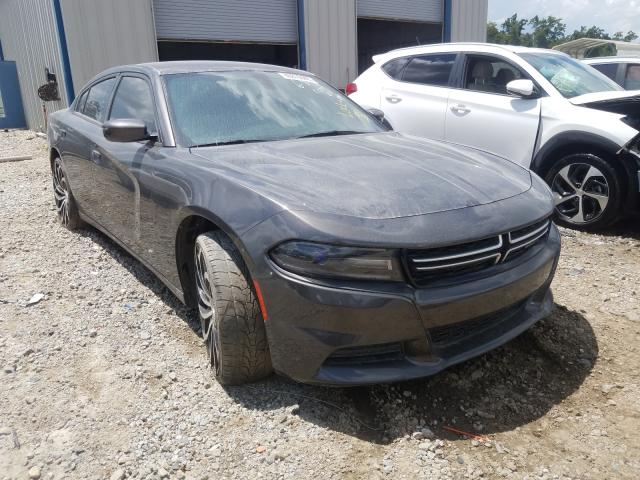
[69, 41]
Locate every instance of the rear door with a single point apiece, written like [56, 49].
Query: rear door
[481, 114]
[414, 94]
[82, 132]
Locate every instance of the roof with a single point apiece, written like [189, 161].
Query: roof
[191, 66]
[579, 48]
[455, 46]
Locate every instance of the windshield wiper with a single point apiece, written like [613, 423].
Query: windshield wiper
[331, 133]
[229, 142]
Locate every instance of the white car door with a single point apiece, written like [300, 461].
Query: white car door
[481, 114]
[415, 91]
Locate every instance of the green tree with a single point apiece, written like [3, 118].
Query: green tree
[629, 37]
[547, 32]
[494, 35]
[513, 31]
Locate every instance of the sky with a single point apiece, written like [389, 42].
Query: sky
[612, 15]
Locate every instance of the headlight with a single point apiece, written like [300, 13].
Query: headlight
[331, 261]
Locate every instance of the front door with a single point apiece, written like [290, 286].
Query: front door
[481, 114]
[11, 111]
[122, 169]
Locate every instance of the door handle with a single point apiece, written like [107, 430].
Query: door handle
[393, 99]
[461, 109]
[63, 132]
[96, 156]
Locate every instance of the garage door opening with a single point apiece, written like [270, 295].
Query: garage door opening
[380, 36]
[284, 55]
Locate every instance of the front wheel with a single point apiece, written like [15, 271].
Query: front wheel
[232, 326]
[587, 191]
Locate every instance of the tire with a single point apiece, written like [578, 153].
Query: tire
[587, 191]
[232, 326]
[66, 206]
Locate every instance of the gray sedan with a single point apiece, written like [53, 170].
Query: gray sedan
[310, 239]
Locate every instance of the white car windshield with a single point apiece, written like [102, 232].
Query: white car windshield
[570, 77]
[225, 107]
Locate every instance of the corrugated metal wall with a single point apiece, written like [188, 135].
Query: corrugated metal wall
[330, 37]
[102, 34]
[29, 36]
[266, 21]
[469, 20]
[415, 10]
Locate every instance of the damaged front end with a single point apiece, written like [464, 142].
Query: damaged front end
[626, 104]
[630, 156]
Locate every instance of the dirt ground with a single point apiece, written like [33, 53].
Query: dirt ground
[103, 375]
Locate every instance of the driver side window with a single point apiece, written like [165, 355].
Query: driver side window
[489, 74]
[133, 99]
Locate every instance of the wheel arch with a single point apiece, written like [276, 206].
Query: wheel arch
[568, 143]
[53, 154]
[574, 142]
[194, 222]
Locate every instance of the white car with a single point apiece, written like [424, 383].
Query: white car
[625, 71]
[540, 108]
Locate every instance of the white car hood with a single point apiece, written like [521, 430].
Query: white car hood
[589, 98]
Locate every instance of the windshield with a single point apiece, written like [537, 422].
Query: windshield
[214, 108]
[570, 77]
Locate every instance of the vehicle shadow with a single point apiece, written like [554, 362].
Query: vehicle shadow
[629, 228]
[499, 391]
[143, 275]
[504, 389]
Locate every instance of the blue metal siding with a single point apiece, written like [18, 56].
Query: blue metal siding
[412, 10]
[29, 38]
[264, 21]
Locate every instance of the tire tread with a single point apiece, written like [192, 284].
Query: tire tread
[244, 349]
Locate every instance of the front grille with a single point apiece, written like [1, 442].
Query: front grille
[442, 337]
[368, 354]
[433, 265]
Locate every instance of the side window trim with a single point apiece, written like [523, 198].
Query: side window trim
[408, 57]
[88, 88]
[412, 57]
[153, 98]
[464, 65]
[79, 104]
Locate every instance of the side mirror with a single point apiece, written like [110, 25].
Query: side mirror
[125, 130]
[376, 112]
[523, 88]
[379, 114]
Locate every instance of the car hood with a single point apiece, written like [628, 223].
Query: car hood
[621, 102]
[380, 175]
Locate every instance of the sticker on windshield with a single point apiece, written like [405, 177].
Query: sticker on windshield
[298, 78]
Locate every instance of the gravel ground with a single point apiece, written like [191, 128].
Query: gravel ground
[103, 375]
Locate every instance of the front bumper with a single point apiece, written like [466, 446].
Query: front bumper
[354, 335]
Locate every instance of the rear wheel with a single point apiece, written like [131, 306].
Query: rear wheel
[65, 203]
[232, 326]
[587, 191]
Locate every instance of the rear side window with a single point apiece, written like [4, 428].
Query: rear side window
[81, 100]
[632, 79]
[97, 101]
[609, 69]
[430, 69]
[395, 67]
[133, 99]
